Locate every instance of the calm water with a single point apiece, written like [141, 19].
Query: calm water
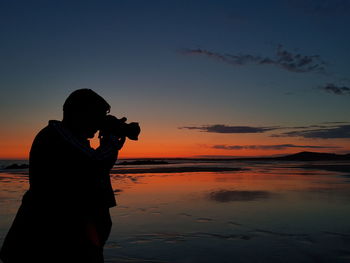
[265, 212]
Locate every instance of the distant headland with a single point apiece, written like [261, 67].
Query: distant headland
[301, 156]
[305, 156]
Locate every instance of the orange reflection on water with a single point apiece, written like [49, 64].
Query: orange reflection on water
[274, 206]
[273, 179]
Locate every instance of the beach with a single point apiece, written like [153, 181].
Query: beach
[219, 211]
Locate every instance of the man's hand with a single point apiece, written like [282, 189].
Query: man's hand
[120, 142]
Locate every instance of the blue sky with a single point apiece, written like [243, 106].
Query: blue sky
[132, 53]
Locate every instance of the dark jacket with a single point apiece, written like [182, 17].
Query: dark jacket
[69, 186]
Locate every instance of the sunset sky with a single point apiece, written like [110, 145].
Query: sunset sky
[203, 78]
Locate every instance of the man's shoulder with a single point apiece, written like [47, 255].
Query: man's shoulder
[48, 133]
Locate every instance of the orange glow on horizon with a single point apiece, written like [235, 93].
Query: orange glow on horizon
[175, 143]
[173, 150]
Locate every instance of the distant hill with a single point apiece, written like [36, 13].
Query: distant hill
[301, 156]
[314, 156]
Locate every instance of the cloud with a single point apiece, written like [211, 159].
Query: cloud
[224, 196]
[322, 7]
[329, 130]
[221, 128]
[334, 89]
[271, 147]
[336, 122]
[332, 132]
[284, 59]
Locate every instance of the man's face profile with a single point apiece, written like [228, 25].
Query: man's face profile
[87, 123]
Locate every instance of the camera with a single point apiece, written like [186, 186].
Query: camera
[119, 128]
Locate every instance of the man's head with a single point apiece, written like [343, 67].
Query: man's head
[84, 111]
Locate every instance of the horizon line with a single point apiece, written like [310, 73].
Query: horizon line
[195, 156]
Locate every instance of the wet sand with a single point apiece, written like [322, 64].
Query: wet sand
[252, 212]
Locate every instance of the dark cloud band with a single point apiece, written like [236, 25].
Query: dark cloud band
[334, 89]
[271, 147]
[335, 132]
[331, 130]
[284, 59]
[221, 128]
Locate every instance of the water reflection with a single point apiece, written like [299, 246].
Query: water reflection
[266, 212]
[236, 195]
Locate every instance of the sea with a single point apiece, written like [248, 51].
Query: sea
[217, 210]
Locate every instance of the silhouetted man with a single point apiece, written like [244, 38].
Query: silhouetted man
[64, 216]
